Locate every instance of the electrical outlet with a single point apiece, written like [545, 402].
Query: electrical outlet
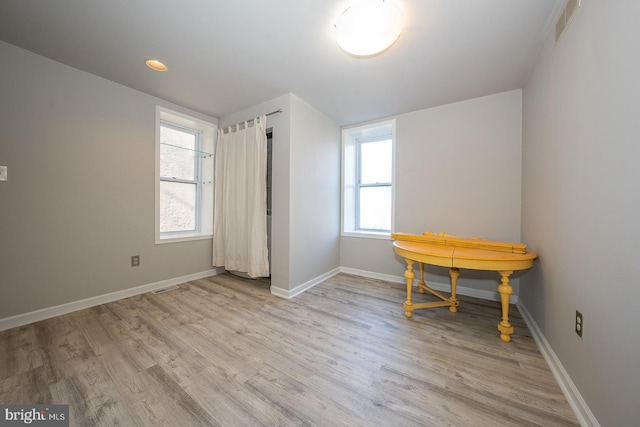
[135, 260]
[579, 324]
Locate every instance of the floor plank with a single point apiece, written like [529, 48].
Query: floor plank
[224, 351]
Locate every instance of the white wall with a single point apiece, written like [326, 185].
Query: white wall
[79, 201]
[305, 193]
[581, 204]
[315, 194]
[457, 170]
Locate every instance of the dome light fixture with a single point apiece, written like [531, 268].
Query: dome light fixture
[369, 27]
[156, 65]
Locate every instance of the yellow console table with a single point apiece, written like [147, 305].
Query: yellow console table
[456, 252]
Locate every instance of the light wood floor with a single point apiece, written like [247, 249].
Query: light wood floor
[224, 351]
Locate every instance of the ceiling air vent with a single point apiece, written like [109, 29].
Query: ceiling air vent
[565, 17]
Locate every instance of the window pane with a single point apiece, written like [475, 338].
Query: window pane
[177, 154]
[177, 206]
[375, 208]
[375, 162]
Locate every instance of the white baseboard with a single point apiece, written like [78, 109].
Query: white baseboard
[443, 287]
[46, 313]
[573, 396]
[288, 294]
[373, 275]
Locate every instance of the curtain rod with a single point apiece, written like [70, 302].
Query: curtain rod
[279, 110]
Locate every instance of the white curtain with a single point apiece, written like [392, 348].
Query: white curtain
[240, 211]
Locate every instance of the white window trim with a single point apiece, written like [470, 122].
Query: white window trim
[349, 179]
[205, 213]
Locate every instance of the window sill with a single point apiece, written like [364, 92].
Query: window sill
[183, 237]
[383, 235]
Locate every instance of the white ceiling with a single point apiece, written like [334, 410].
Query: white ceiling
[224, 56]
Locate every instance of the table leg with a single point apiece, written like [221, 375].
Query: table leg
[505, 290]
[421, 283]
[454, 273]
[409, 275]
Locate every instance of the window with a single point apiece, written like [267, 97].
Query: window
[367, 180]
[184, 177]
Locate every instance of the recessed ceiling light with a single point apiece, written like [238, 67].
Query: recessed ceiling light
[369, 27]
[156, 65]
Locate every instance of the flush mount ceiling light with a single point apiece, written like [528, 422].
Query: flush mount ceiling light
[156, 65]
[369, 27]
